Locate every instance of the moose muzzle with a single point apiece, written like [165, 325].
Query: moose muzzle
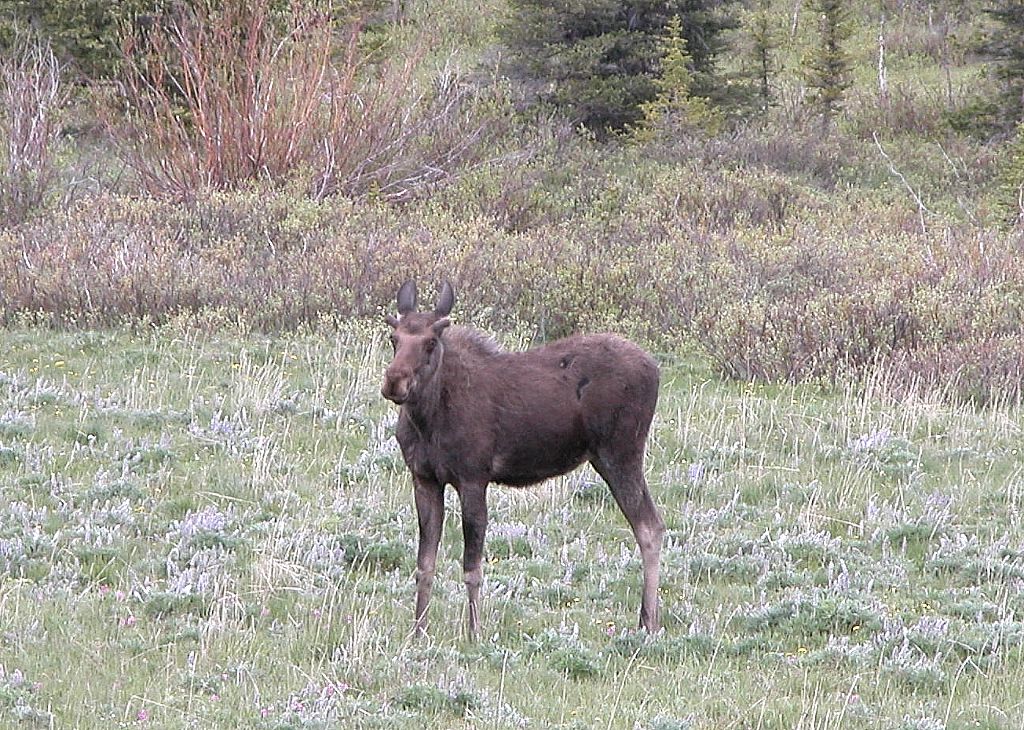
[396, 387]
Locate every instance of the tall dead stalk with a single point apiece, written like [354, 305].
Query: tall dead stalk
[32, 101]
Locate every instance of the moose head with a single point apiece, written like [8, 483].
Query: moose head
[416, 339]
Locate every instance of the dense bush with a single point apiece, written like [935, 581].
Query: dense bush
[223, 93]
[32, 109]
[290, 170]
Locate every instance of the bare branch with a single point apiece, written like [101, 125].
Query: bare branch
[33, 100]
[921, 207]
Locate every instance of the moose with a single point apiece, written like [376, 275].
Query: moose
[472, 413]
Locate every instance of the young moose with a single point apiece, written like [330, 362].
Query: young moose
[472, 414]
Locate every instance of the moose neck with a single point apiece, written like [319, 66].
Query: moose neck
[426, 408]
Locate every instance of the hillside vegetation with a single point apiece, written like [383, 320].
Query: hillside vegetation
[295, 171]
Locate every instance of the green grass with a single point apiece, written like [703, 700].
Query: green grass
[218, 531]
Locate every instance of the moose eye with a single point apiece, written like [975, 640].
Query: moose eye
[430, 345]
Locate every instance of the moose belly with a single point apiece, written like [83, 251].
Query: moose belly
[529, 461]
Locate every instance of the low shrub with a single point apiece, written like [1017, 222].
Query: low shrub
[772, 278]
[437, 700]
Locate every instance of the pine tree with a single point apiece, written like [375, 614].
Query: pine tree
[83, 33]
[675, 110]
[598, 59]
[1006, 47]
[762, 49]
[828, 66]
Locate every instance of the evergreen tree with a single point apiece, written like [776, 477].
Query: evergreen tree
[1006, 47]
[598, 59]
[762, 48]
[828, 66]
[675, 110]
[83, 33]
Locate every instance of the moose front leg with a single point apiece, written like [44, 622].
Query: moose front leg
[474, 527]
[430, 513]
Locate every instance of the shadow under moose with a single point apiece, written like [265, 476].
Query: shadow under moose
[472, 413]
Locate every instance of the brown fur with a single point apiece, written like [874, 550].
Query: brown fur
[474, 414]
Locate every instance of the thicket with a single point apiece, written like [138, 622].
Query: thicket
[284, 167]
[226, 92]
[773, 280]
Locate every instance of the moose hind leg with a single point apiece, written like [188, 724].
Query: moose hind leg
[473, 498]
[429, 497]
[629, 488]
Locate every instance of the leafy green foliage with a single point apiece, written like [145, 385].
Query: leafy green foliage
[424, 698]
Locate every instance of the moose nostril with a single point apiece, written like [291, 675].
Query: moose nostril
[395, 388]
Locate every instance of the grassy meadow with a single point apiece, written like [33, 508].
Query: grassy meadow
[205, 521]
[216, 530]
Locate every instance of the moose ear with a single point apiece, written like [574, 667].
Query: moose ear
[445, 300]
[391, 320]
[407, 297]
[439, 326]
